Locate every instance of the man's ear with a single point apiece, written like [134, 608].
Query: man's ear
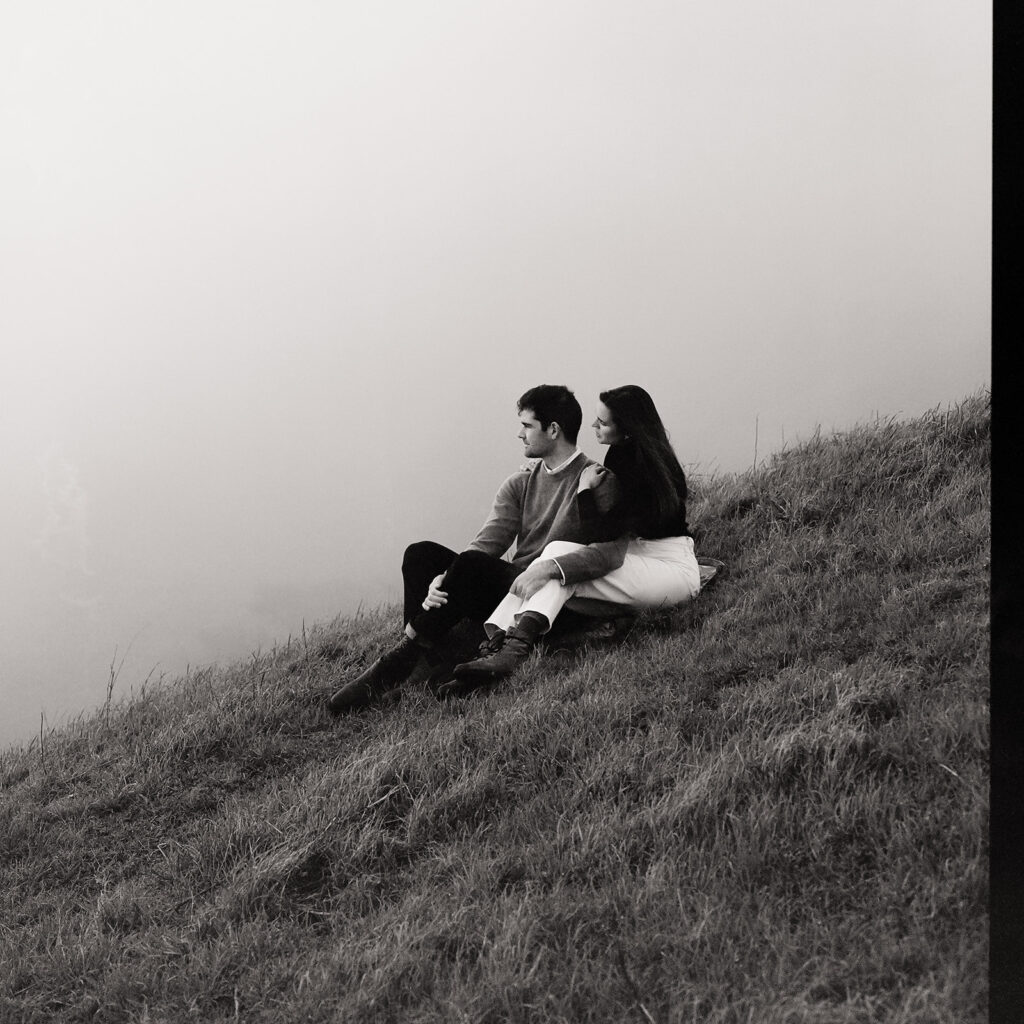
[554, 429]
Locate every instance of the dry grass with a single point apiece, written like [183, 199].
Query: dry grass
[768, 806]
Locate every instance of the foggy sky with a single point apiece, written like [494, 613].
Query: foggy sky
[274, 275]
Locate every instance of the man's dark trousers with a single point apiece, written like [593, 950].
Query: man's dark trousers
[475, 583]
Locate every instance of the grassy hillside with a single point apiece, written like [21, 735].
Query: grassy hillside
[768, 806]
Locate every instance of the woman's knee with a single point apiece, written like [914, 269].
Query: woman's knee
[555, 548]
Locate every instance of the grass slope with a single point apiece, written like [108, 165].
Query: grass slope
[768, 806]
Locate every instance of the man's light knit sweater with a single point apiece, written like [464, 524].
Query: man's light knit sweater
[533, 507]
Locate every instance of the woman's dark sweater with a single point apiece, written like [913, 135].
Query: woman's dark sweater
[633, 515]
[636, 511]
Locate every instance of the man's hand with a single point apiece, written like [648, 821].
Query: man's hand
[592, 477]
[528, 582]
[435, 595]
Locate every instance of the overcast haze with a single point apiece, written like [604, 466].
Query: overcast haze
[274, 275]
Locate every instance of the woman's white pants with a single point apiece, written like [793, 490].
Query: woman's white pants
[654, 574]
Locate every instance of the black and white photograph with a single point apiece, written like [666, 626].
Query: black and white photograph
[496, 511]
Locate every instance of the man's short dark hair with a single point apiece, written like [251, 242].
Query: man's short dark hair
[554, 403]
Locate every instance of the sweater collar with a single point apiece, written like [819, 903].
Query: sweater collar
[559, 468]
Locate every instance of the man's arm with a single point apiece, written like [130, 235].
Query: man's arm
[586, 563]
[593, 561]
[597, 498]
[502, 526]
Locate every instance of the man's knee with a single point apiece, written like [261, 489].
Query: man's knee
[474, 572]
[422, 551]
[471, 562]
[555, 548]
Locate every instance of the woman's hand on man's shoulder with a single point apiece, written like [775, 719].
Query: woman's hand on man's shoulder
[593, 476]
[608, 492]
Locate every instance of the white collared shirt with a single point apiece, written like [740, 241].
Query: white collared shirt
[558, 469]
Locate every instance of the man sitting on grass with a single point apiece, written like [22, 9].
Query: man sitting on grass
[534, 506]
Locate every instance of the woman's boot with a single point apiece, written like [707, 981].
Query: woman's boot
[519, 641]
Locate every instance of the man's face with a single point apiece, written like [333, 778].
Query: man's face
[537, 442]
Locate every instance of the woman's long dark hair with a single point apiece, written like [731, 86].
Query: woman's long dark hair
[657, 466]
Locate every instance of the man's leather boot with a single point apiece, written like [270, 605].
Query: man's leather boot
[386, 673]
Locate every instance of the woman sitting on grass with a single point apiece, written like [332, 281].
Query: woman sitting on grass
[649, 564]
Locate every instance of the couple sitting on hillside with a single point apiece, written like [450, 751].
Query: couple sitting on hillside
[598, 538]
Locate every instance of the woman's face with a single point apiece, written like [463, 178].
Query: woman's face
[604, 426]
